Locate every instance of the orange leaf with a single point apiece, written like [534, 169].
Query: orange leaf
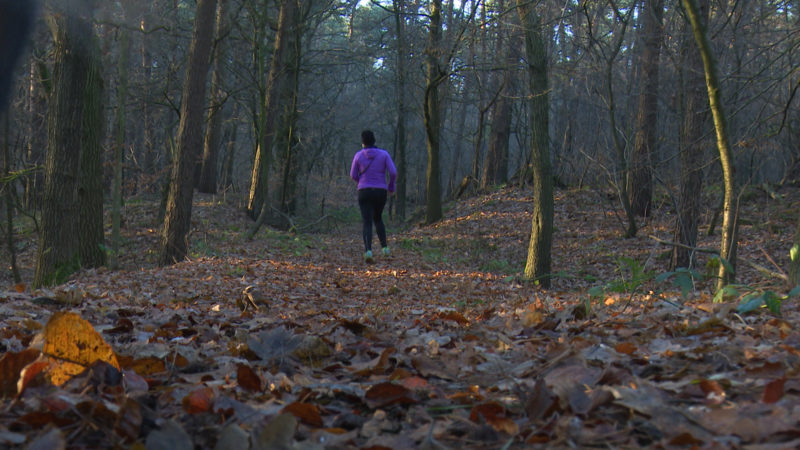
[306, 412]
[74, 344]
[248, 378]
[29, 373]
[148, 366]
[198, 401]
[773, 391]
[19, 287]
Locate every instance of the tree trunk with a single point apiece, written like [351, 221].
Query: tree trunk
[402, 107]
[119, 143]
[208, 168]
[640, 186]
[728, 245]
[692, 150]
[57, 252]
[9, 198]
[538, 265]
[258, 203]
[432, 119]
[91, 233]
[177, 221]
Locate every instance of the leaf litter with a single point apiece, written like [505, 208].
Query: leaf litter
[284, 342]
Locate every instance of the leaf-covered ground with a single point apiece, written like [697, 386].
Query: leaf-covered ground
[293, 342]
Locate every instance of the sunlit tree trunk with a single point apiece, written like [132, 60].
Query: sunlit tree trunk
[640, 185]
[276, 81]
[692, 149]
[432, 120]
[57, 252]
[208, 166]
[538, 265]
[258, 203]
[177, 220]
[729, 226]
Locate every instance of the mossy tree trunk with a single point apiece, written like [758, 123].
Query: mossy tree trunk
[538, 266]
[728, 244]
[57, 252]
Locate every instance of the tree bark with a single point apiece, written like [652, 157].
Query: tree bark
[57, 252]
[538, 265]
[258, 203]
[692, 150]
[432, 120]
[91, 233]
[119, 143]
[728, 245]
[402, 107]
[177, 221]
[640, 185]
[208, 169]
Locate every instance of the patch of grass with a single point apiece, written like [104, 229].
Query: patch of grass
[430, 250]
[500, 266]
[295, 244]
[350, 214]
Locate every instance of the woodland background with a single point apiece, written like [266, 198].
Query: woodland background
[623, 87]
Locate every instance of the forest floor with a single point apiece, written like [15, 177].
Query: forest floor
[292, 341]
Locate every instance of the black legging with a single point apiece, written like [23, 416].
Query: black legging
[371, 201]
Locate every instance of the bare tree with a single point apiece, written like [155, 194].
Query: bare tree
[174, 244]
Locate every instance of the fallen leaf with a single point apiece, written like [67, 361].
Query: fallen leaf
[495, 415]
[73, 344]
[198, 401]
[11, 365]
[382, 395]
[306, 412]
[773, 391]
[248, 378]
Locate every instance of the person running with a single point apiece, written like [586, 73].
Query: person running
[369, 169]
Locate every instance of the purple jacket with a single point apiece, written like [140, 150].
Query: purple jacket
[369, 169]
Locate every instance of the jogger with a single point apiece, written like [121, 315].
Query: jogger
[369, 169]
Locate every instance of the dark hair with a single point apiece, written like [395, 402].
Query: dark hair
[367, 138]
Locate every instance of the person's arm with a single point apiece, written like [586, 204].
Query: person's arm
[354, 168]
[392, 173]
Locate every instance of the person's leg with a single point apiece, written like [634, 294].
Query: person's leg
[366, 205]
[380, 202]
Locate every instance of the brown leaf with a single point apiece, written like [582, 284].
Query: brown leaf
[542, 402]
[129, 420]
[454, 316]
[198, 401]
[773, 391]
[306, 412]
[248, 378]
[495, 415]
[11, 365]
[714, 393]
[626, 348]
[385, 394]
